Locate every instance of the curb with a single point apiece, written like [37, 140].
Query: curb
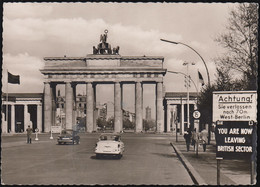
[196, 178]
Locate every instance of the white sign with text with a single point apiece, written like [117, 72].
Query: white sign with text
[234, 106]
[56, 129]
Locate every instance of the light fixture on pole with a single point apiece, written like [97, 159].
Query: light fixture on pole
[194, 51]
[175, 72]
[187, 81]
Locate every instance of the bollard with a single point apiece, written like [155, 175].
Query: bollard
[36, 138]
[36, 130]
[51, 136]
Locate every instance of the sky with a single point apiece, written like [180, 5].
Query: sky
[32, 31]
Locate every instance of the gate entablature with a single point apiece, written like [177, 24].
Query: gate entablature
[102, 68]
[105, 61]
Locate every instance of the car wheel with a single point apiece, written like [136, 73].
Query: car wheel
[59, 143]
[119, 156]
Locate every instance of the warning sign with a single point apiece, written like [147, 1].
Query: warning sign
[234, 106]
[235, 140]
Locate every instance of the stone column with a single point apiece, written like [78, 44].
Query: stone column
[53, 97]
[90, 107]
[69, 105]
[122, 106]
[39, 117]
[94, 107]
[118, 107]
[4, 123]
[159, 107]
[169, 116]
[47, 107]
[26, 120]
[74, 104]
[138, 107]
[12, 119]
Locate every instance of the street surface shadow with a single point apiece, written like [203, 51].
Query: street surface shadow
[163, 144]
[105, 158]
[173, 155]
[237, 165]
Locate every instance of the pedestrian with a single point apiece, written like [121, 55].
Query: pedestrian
[194, 138]
[187, 137]
[204, 138]
[29, 134]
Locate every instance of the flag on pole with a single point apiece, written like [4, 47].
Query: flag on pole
[201, 79]
[13, 79]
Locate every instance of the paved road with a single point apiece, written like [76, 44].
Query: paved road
[148, 159]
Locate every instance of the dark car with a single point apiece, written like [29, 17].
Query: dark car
[68, 136]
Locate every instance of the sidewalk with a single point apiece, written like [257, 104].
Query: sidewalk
[203, 168]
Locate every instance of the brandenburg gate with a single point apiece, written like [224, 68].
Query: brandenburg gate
[105, 65]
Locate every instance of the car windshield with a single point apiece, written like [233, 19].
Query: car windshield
[109, 137]
[66, 132]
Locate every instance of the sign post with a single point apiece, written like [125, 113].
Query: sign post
[36, 131]
[235, 116]
[51, 134]
[196, 115]
[218, 169]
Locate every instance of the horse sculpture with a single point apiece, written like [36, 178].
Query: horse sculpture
[104, 47]
[116, 50]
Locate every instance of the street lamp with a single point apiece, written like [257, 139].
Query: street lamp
[194, 51]
[188, 93]
[175, 72]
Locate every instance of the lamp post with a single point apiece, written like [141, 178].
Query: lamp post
[187, 78]
[202, 61]
[194, 51]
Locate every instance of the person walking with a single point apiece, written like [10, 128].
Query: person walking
[204, 138]
[29, 134]
[187, 137]
[194, 138]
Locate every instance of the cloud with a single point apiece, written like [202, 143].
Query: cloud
[78, 34]
[27, 67]
[76, 37]
[14, 10]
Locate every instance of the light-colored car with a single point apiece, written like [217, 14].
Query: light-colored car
[109, 144]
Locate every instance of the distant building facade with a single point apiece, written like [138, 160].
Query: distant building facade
[148, 113]
[20, 110]
[175, 111]
[27, 109]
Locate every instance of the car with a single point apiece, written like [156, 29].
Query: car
[68, 136]
[109, 144]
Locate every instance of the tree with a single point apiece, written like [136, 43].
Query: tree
[241, 42]
[101, 122]
[224, 81]
[110, 122]
[205, 104]
[128, 124]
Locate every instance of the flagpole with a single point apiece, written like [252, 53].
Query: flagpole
[198, 81]
[7, 101]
